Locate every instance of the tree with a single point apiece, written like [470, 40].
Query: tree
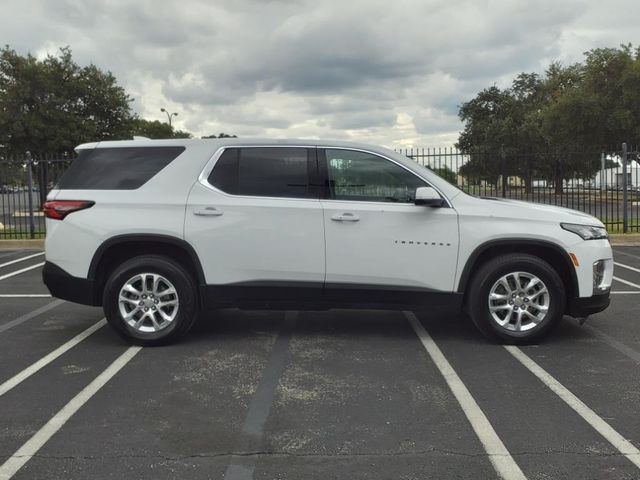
[221, 135]
[52, 105]
[155, 129]
[602, 109]
[554, 126]
[499, 126]
[446, 173]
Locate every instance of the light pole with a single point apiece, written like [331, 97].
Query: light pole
[169, 115]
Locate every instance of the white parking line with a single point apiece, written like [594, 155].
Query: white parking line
[618, 251]
[16, 461]
[502, 461]
[47, 359]
[623, 292]
[621, 347]
[626, 282]
[18, 272]
[21, 259]
[624, 446]
[628, 267]
[28, 316]
[39, 295]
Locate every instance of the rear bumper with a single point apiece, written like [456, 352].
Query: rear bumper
[67, 287]
[585, 306]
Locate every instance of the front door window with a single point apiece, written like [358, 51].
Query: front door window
[366, 177]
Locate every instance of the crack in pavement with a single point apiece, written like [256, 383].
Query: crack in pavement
[276, 454]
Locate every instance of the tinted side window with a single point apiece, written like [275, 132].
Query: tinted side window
[366, 177]
[116, 168]
[224, 175]
[264, 172]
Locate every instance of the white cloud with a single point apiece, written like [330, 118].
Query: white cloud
[392, 73]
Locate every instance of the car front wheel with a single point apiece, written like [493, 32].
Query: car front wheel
[516, 298]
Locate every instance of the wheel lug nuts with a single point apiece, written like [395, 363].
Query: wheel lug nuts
[146, 309]
[141, 303]
[156, 301]
[153, 308]
[144, 296]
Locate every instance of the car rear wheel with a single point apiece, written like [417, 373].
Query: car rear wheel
[516, 298]
[150, 300]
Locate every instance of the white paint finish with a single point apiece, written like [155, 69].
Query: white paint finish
[371, 250]
[256, 238]
[588, 252]
[157, 207]
[23, 270]
[626, 282]
[29, 257]
[262, 239]
[31, 447]
[47, 359]
[72, 244]
[501, 459]
[624, 446]
[483, 220]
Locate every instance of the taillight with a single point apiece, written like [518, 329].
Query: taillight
[58, 209]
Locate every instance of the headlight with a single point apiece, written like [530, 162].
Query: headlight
[586, 232]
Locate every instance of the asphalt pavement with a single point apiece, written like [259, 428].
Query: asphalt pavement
[314, 395]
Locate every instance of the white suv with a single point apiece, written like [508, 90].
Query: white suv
[157, 230]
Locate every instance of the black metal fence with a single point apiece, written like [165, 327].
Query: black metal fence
[24, 184]
[603, 184]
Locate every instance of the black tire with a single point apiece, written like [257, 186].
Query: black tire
[477, 302]
[182, 281]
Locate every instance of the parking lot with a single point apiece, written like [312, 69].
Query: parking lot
[335, 394]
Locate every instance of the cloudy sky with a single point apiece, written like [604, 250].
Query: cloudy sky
[390, 72]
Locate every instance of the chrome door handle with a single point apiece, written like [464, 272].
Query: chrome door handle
[345, 217]
[208, 212]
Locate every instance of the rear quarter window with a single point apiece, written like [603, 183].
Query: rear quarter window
[264, 172]
[117, 168]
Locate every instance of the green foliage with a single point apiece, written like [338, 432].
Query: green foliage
[221, 135]
[446, 173]
[155, 129]
[52, 105]
[540, 121]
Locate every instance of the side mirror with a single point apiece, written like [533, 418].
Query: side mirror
[428, 196]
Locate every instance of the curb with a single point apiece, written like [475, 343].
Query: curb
[625, 239]
[37, 244]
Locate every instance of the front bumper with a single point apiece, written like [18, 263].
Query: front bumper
[585, 306]
[67, 287]
[587, 252]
